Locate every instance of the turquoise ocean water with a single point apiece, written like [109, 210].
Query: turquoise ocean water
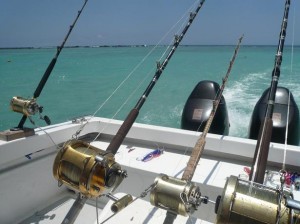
[84, 78]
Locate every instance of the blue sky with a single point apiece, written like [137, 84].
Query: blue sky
[41, 23]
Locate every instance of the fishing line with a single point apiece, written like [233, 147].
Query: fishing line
[47, 74]
[44, 80]
[193, 6]
[191, 148]
[187, 148]
[200, 143]
[293, 39]
[29, 156]
[133, 114]
[121, 107]
[97, 214]
[41, 129]
[148, 74]
[131, 73]
[261, 153]
[122, 83]
[108, 156]
[288, 109]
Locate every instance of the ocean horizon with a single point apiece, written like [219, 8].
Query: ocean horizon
[141, 45]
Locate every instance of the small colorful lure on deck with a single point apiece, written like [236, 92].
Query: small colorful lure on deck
[155, 153]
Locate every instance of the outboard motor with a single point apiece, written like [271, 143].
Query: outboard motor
[198, 108]
[279, 117]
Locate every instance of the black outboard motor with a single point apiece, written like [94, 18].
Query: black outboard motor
[279, 117]
[198, 108]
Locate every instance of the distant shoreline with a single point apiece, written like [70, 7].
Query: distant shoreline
[119, 46]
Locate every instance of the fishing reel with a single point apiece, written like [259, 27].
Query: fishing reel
[28, 107]
[176, 196]
[247, 202]
[87, 169]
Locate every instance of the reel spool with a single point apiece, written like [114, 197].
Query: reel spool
[26, 107]
[87, 169]
[175, 195]
[246, 202]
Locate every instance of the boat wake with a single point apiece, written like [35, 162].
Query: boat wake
[241, 97]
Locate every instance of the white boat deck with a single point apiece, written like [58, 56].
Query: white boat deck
[210, 175]
[29, 192]
[56, 212]
[140, 176]
[142, 212]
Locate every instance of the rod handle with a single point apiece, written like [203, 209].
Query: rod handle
[260, 158]
[122, 132]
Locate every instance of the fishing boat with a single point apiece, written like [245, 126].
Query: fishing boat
[99, 170]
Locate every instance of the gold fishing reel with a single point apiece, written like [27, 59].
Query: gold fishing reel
[175, 195]
[246, 202]
[87, 169]
[27, 107]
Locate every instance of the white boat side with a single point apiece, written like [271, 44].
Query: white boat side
[29, 192]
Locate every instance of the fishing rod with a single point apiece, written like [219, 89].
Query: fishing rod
[260, 158]
[251, 201]
[97, 169]
[199, 146]
[186, 196]
[29, 107]
[131, 117]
